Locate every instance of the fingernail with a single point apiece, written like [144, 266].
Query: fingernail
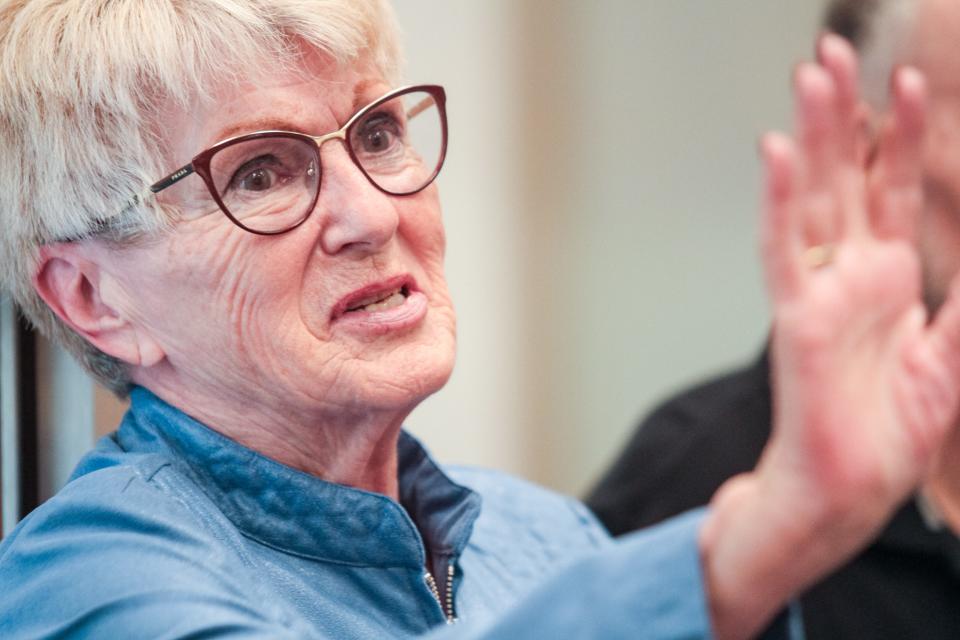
[832, 42]
[770, 143]
[910, 76]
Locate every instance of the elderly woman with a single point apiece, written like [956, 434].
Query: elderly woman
[226, 209]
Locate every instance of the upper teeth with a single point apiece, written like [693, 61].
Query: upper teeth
[380, 301]
[391, 301]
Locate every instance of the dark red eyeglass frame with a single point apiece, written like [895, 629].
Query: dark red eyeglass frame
[200, 164]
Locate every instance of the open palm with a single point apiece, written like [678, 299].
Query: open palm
[866, 388]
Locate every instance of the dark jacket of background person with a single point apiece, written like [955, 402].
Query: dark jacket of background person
[906, 585]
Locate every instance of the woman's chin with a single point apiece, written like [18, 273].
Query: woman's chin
[394, 379]
[407, 386]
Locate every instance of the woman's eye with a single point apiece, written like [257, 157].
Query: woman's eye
[257, 180]
[376, 141]
[379, 134]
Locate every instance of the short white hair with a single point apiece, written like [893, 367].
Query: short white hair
[81, 85]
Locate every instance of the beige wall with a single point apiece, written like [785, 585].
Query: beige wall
[600, 204]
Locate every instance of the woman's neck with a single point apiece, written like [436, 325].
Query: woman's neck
[353, 448]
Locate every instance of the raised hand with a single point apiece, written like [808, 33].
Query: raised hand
[865, 389]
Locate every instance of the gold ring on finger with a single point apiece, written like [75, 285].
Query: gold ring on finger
[818, 256]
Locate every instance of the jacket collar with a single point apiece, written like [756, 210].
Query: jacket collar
[299, 513]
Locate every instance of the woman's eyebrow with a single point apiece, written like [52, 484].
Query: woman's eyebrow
[363, 89]
[252, 126]
[361, 96]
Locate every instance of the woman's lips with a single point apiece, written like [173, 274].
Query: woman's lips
[385, 306]
[393, 300]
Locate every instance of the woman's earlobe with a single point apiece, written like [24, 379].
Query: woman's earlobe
[149, 351]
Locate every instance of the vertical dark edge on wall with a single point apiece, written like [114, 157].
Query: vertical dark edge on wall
[27, 419]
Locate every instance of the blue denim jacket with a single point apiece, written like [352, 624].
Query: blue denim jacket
[169, 530]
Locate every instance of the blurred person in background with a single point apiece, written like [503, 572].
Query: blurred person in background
[907, 583]
[227, 211]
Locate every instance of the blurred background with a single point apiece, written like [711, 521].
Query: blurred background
[600, 197]
[601, 205]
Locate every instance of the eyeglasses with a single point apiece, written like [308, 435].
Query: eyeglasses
[268, 182]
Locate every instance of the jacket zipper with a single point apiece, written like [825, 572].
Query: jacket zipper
[446, 605]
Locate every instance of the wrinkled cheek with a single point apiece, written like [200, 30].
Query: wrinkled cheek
[431, 249]
[426, 237]
[256, 321]
[248, 304]
[422, 222]
[439, 239]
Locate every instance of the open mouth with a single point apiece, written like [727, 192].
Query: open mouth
[381, 301]
[386, 307]
[376, 298]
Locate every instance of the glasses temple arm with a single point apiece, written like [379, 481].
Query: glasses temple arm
[420, 107]
[172, 179]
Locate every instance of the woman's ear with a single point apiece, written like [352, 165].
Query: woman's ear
[72, 285]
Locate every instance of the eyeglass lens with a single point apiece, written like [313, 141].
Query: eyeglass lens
[270, 183]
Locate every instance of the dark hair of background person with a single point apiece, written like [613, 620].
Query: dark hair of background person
[852, 19]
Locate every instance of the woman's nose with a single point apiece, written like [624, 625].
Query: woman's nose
[355, 216]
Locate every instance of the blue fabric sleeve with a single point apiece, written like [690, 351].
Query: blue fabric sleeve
[648, 585]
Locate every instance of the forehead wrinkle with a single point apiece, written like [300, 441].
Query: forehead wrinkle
[251, 113]
[361, 98]
[315, 112]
